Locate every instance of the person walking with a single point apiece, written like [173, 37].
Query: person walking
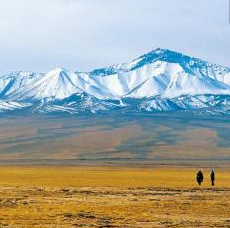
[212, 176]
[199, 177]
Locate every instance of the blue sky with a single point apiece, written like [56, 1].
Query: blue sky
[80, 35]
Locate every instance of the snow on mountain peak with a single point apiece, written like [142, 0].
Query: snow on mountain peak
[161, 75]
[58, 70]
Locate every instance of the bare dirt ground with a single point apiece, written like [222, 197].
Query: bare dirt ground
[112, 197]
[160, 140]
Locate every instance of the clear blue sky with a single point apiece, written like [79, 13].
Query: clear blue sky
[38, 35]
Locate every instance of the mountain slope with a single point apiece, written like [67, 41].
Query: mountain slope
[160, 80]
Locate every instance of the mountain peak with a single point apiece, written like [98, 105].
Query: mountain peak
[162, 55]
[157, 80]
[58, 70]
[166, 55]
[159, 52]
[162, 51]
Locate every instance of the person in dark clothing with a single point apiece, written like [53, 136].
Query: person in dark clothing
[212, 176]
[199, 177]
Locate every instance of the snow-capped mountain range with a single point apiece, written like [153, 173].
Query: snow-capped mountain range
[161, 80]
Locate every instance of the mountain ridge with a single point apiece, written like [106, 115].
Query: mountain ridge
[156, 81]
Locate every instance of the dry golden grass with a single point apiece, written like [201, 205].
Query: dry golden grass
[112, 197]
[107, 176]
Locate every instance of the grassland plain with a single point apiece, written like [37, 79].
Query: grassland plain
[105, 196]
[145, 173]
